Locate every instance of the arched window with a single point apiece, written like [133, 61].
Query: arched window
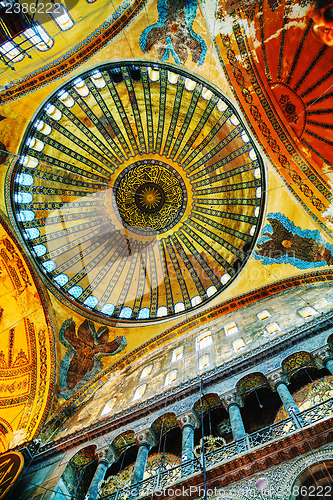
[177, 354]
[170, 378]
[307, 312]
[273, 328]
[314, 482]
[204, 340]
[231, 328]
[146, 371]
[263, 315]
[108, 407]
[204, 362]
[238, 344]
[139, 392]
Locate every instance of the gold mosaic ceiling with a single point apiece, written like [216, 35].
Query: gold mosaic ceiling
[139, 193]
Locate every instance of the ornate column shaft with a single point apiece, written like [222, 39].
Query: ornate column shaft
[329, 365]
[285, 396]
[188, 422]
[289, 403]
[236, 421]
[106, 457]
[232, 405]
[145, 441]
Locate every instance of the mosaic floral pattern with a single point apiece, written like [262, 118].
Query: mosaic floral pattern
[314, 393]
[155, 462]
[251, 382]
[296, 362]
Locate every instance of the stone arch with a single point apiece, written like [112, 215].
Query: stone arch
[294, 470]
[168, 436]
[214, 414]
[209, 402]
[296, 362]
[79, 471]
[125, 447]
[260, 402]
[123, 441]
[301, 369]
[250, 383]
[164, 424]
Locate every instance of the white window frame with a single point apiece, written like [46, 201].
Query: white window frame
[146, 371]
[177, 354]
[170, 378]
[231, 328]
[204, 340]
[139, 392]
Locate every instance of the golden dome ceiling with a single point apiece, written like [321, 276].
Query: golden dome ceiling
[138, 192]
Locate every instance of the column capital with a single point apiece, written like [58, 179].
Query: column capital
[107, 454]
[277, 377]
[188, 418]
[230, 398]
[145, 438]
[322, 355]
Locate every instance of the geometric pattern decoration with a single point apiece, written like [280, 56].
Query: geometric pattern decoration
[251, 382]
[27, 356]
[297, 361]
[138, 193]
[312, 394]
[280, 73]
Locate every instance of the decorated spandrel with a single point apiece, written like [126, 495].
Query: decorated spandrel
[138, 192]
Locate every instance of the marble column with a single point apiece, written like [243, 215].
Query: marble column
[188, 422]
[232, 405]
[236, 422]
[145, 441]
[323, 357]
[329, 364]
[106, 457]
[278, 382]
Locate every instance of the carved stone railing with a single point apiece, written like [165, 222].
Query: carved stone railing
[279, 430]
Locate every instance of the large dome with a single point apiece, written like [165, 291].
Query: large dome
[138, 192]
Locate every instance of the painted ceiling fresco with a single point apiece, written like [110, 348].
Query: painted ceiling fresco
[27, 357]
[280, 72]
[159, 158]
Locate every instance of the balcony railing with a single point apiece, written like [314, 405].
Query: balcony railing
[165, 478]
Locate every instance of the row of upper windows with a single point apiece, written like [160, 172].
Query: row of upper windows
[170, 378]
[205, 340]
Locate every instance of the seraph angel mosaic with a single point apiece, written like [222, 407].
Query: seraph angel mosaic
[85, 348]
[173, 32]
[283, 242]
